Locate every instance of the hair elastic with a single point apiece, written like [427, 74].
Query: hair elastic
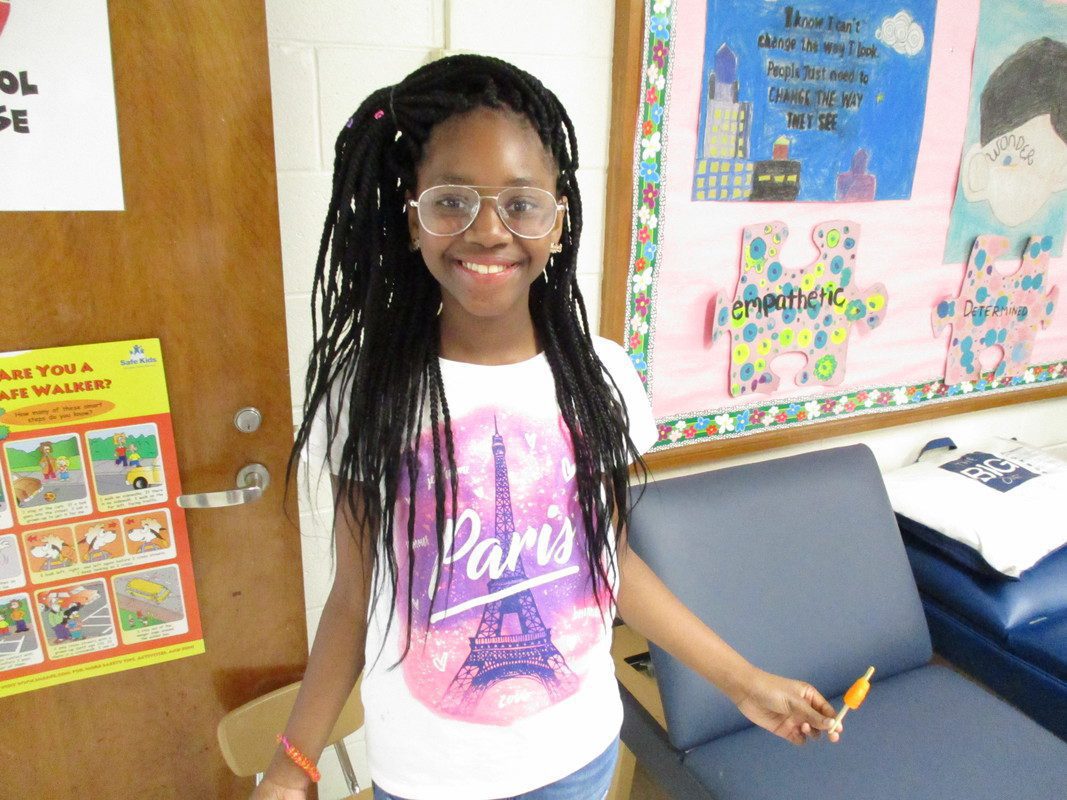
[379, 114]
[300, 759]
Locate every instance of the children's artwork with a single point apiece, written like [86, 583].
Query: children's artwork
[994, 310]
[20, 643]
[90, 463]
[47, 479]
[55, 78]
[127, 470]
[811, 310]
[1013, 174]
[816, 101]
[841, 104]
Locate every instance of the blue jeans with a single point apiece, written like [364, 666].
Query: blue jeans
[590, 782]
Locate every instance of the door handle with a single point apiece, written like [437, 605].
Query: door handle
[252, 482]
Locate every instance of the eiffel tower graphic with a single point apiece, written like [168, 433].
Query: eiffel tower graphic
[496, 656]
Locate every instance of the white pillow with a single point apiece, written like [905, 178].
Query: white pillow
[1004, 499]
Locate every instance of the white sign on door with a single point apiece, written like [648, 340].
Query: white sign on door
[59, 148]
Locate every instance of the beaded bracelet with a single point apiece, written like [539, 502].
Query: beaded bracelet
[300, 759]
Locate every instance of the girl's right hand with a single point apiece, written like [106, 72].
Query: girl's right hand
[269, 790]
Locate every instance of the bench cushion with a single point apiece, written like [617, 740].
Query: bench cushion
[897, 745]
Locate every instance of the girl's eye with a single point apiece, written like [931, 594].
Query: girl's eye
[523, 205]
[451, 203]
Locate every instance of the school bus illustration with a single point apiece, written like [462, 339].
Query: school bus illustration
[147, 590]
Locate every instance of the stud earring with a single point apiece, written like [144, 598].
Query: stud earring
[414, 246]
[556, 248]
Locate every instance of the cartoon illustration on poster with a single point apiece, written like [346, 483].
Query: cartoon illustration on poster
[1013, 173]
[822, 100]
[48, 478]
[12, 575]
[126, 467]
[6, 518]
[150, 604]
[19, 642]
[76, 619]
[95, 570]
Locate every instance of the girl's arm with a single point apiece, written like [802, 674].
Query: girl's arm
[336, 658]
[791, 709]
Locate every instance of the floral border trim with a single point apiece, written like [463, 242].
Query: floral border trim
[648, 173]
[646, 233]
[732, 423]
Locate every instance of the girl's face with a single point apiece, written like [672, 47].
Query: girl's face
[495, 149]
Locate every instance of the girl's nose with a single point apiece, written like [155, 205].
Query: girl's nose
[487, 229]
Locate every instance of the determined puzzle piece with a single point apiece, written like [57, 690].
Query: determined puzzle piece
[812, 310]
[996, 310]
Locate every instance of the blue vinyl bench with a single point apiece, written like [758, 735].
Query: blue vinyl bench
[1010, 634]
[798, 563]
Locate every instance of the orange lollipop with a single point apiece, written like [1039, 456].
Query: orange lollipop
[854, 697]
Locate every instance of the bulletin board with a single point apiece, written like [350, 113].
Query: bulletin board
[812, 230]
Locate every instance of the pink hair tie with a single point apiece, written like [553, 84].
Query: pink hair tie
[379, 114]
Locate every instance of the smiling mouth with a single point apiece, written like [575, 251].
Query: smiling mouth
[485, 269]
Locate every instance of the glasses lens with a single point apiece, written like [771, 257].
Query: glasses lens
[529, 212]
[447, 210]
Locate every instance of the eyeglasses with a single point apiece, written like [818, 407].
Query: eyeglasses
[527, 211]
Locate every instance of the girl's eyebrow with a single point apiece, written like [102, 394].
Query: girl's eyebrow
[463, 180]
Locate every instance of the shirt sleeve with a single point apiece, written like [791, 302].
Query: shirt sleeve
[643, 428]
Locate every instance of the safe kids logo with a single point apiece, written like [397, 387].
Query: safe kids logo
[990, 470]
[137, 357]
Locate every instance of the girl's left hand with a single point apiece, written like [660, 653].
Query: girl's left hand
[788, 708]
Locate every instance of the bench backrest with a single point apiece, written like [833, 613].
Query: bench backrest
[797, 562]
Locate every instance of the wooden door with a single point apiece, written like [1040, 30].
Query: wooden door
[195, 261]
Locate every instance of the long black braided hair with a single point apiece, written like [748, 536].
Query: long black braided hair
[375, 324]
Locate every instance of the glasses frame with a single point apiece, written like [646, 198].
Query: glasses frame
[496, 205]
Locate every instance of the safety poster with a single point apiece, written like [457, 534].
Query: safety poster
[95, 572]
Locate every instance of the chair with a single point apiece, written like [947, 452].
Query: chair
[798, 563]
[247, 734]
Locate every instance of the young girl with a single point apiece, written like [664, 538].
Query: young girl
[479, 437]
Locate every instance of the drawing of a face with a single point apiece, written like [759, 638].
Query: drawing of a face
[1017, 172]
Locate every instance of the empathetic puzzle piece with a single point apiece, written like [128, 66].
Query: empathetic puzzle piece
[811, 310]
[996, 310]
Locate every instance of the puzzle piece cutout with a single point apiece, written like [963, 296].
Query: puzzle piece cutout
[811, 310]
[993, 309]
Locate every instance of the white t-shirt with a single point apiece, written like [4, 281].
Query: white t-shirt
[511, 686]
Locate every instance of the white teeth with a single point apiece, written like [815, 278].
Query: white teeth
[483, 269]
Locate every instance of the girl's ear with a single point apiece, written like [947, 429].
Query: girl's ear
[557, 229]
[413, 218]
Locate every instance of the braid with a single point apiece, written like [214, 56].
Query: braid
[375, 357]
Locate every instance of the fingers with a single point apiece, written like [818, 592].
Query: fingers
[820, 703]
[814, 710]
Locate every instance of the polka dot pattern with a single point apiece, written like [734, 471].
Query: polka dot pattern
[811, 309]
[996, 310]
